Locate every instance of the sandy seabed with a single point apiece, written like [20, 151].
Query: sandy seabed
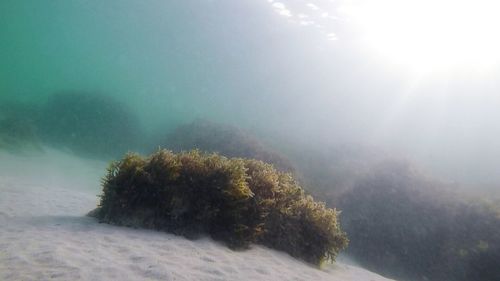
[45, 235]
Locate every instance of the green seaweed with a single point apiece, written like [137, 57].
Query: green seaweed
[234, 200]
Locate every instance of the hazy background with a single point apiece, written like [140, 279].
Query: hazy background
[284, 70]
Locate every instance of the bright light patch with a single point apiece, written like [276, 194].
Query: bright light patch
[332, 36]
[282, 9]
[312, 6]
[431, 35]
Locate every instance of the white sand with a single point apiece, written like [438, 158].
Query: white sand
[44, 235]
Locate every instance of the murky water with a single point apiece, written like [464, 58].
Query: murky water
[410, 156]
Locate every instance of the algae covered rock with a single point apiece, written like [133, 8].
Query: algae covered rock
[234, 200]
[16, 134]
[408, 226]
[89, 124]
[227, 140]
[17, 127]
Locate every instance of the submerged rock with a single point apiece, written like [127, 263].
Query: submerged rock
[89, 124]
[227, 140]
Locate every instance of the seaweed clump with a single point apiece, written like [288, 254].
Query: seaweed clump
[234, 200]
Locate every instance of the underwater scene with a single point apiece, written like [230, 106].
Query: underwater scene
[249, 140]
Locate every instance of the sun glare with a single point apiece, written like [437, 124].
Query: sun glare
[431, 35]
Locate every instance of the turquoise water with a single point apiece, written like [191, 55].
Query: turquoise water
[172, 62]
[235, 62]
[132, 51]
[295, 81]
[253, 65]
